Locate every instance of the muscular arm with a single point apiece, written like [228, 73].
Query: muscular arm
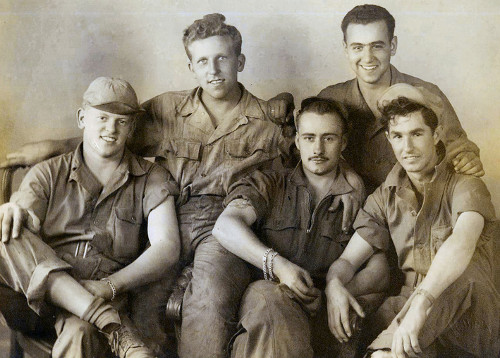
[32, 153]
[450, 262]
[162, 255]
[233, 231]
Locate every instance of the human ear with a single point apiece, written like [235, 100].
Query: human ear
[394, 45]
[80, 115]
[241, 62]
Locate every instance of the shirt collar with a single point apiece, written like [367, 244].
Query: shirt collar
[249, 105]
[339, 186]
[129, 164]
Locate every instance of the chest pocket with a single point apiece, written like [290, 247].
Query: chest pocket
[182, 148]
[240, 149]
[438, 237]
[127, 225]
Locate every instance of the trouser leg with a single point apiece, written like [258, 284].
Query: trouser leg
[20, 317]
[78, 339]
[271, 324]
[466, 315]
[25, 264]
[211, 302]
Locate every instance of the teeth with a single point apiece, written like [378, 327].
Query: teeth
[216, 81]
[369, 67]
[108, 139]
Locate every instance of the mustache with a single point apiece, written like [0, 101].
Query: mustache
[316, 157]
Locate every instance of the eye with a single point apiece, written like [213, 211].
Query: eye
[330, 139]
[222, 58]
[357, 48]
[122, 122]
[102, 118]
[202, 61]
[378, 46]
[308, 139]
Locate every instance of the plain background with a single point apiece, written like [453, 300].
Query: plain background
[51, 50]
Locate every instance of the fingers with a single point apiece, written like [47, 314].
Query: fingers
[6, 225]
[276, 110]
[468, 163]
[348, 213]
[415, 345]
[13, 159]
[335, 203]
[17, 222]
[356, 306]
[335, 324]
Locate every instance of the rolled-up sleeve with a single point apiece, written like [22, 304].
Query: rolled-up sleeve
[257, 189]
[159, 186]
[371, 222]
[471, 194]
[34, 193]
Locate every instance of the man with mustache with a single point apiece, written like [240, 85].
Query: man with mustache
[282, 223]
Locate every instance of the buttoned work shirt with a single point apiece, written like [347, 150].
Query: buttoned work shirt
[392, 212]
[288, 221]
[368, 151]
[68, 204]
[204, 160]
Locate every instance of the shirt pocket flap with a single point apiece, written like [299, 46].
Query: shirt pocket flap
[127, 214]
[438, 236]
[184, 148]
[243, 149]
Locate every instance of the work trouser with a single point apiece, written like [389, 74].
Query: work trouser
[212, 298]
[274, 324]
[25, 265]
[464, 317]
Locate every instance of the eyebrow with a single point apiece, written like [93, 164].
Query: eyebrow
[371, 43]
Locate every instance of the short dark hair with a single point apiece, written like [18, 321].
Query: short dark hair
[323, 106]
[403, 106]
[366, 14]
[211, 25]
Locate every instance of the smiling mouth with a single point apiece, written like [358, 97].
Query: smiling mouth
[369, 68]
[216, 82]
[108, 139]
[411, 157]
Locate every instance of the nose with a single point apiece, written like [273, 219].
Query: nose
[318, 146]
[213, 67]
[367, 54]
[408, 144]
[111, 126]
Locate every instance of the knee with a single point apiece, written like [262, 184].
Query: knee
[78, 329]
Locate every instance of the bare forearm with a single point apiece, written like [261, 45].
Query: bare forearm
[449, 263]
[235, 236]
[374, 278]
[149, 267]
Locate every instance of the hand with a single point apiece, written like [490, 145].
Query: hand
[352, 201]
[98, 288]
[12, 217]
[468, 163]
[297, 279]
[280, 108]
[29, 154]
[338, 303]
[411, 320]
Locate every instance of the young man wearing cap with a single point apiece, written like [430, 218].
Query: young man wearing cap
[281, 224]
[89, 210]
[369, 44]
[443, 227]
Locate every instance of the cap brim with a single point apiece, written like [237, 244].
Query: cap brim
[118, 108]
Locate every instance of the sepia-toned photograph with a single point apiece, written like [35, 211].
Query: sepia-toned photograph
[247, 179]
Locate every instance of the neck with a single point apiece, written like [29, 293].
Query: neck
[321, 184]
[217, 107]
[419, 179]
[102, 168]
[371, 89]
